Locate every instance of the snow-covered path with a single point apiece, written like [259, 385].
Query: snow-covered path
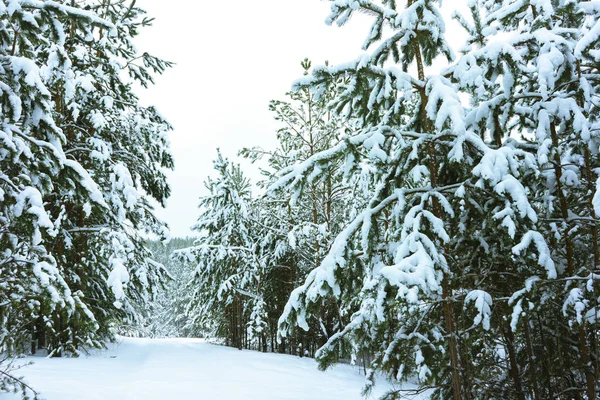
[152, 369]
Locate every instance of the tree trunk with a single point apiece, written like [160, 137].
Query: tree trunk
[512, 357]
[584, 349]
[452, 343]
[532, 362]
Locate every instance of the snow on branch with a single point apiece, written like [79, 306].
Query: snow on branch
[55, 6]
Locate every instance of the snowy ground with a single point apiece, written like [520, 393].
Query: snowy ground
[152, 369]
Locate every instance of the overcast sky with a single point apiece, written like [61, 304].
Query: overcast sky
[232, 58]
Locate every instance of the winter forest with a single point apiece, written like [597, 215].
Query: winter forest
[425, 224]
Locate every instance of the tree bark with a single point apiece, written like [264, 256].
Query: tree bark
[512, 357]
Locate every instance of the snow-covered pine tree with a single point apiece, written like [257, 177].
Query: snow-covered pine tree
[226, 288]
[31, 157]
[491, 206]
[405, 246]
[298, 233]
[167, 315]
[125, 147]
[406, 316]
[69, 216]
[532, 77]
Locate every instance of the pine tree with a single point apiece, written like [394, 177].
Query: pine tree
[31, 157]
[473, 238]
[533, 90]
[79, 159]
[298, 233]
[400, 252]
[226, 289]
[125, 147]
[167, 313]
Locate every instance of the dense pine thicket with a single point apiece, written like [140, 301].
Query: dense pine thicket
[166, 316]
[80, 160]
[252, 252]
[440, 226]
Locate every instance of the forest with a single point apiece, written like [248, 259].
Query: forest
[430, 212]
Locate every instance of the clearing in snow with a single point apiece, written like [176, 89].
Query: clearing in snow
[152, 369]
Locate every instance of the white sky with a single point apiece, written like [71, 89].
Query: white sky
[232, 58]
